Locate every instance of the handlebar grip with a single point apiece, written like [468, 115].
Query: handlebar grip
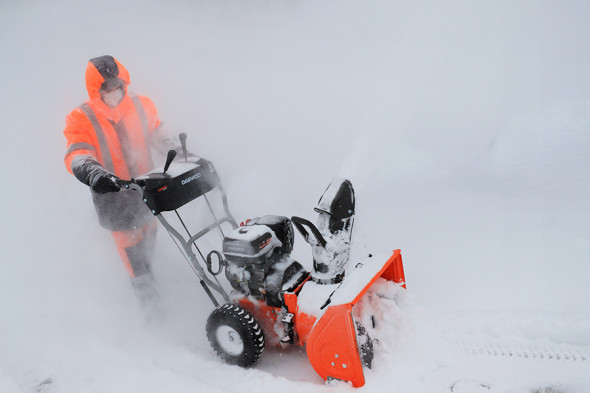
[301, 223]
[127, 183]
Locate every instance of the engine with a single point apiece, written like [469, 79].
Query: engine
[259, 259]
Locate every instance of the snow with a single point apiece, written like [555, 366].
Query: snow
[251, 233]
[462, 125]
[314, 298]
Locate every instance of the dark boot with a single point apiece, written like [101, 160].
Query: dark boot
[147, 292]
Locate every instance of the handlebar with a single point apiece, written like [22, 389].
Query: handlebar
[301, 223]
[129, 184]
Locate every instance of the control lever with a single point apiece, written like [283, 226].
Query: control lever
[182, 137]
[169, 158]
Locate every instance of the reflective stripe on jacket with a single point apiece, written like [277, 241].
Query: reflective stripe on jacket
[122, 148]
[118, 138]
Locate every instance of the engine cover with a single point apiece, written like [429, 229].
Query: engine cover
[250, 244]
[258, 259]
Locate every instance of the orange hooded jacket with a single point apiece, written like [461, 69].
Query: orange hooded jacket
[91, 128]
[117, 138]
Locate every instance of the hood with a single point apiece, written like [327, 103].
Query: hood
[105, 71]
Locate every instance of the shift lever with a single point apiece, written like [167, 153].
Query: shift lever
[169, 159]
[182, 137]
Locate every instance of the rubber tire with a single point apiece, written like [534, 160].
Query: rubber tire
[236, 318]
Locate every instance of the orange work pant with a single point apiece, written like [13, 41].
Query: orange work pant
[136, 248]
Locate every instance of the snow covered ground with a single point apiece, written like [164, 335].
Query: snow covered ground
[463, 126]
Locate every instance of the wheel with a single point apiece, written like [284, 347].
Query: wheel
[235, 335]
[365, 344]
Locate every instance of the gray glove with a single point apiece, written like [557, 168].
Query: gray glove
[104, 182]
[91, 173]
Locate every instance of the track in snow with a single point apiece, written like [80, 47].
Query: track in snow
[524, 349]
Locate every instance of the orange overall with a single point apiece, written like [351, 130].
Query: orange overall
[119, 139]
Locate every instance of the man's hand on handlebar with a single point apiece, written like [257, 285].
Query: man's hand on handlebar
[128, 184]
[105, 182]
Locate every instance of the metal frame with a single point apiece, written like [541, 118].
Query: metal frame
[186, 243]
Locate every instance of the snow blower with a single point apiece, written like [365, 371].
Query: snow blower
[273, 299]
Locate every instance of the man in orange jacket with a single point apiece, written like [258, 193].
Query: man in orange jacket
[110, 137]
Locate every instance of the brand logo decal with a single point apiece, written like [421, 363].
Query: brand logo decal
[190, 179]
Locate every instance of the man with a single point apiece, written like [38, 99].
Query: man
[110, 137]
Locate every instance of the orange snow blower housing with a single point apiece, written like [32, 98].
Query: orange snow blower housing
[274, 299]
[330, 333]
